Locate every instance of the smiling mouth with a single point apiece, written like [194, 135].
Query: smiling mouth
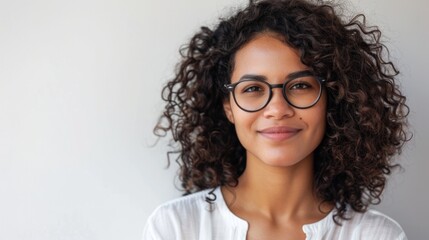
[279, 133]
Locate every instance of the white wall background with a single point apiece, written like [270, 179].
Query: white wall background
[80, 89]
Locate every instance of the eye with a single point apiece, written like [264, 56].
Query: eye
[306, 83]
[300, 85]
[252, 89]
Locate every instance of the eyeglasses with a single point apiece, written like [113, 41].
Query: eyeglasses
[252, 93]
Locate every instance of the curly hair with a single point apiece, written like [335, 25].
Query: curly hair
[366, 112]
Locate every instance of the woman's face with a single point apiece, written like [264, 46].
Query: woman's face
[279, 134]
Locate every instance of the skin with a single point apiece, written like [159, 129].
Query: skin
[275, 192]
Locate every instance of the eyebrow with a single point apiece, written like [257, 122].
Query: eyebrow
[292, 75]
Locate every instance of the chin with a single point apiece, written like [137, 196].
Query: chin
[280, 161]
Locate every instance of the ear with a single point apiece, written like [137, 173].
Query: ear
[228, 110]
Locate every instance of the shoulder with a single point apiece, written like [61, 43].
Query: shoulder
[374, 225]
[189, 204]
[179, 217]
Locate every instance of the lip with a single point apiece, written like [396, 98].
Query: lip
[279, 133]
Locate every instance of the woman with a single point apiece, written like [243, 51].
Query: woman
[287, 119]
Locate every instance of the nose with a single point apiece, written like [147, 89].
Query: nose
[278, 107]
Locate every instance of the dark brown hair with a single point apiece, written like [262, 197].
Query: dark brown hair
[366, 113]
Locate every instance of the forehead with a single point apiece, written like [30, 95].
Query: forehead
[268, 55]
[267, 43]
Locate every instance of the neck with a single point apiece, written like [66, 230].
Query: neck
[276, 191]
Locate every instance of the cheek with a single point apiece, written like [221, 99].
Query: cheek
[243, 124]
[318, 115]
[315, 121]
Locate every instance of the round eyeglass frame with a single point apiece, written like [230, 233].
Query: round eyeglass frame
[231, 88]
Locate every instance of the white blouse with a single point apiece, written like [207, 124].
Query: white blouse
[192, 218]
